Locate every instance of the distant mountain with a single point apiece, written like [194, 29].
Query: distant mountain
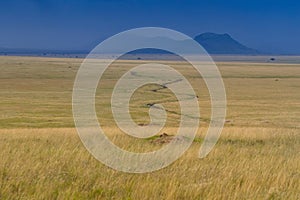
[223, 44]
[213, 43]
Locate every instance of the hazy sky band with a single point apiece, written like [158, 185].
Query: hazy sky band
[269, 26]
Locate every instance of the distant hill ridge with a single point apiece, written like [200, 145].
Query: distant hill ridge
[213, 43]
[223, 44]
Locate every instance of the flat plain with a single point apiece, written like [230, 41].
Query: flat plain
[42, 157]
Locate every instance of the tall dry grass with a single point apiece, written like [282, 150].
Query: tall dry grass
[247, 163]
[257, 156]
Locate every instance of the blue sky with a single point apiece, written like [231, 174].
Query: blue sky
[270, 26]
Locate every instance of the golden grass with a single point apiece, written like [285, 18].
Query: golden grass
[247, 163]
[257, 156]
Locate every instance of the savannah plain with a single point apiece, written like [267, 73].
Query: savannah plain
[42, 157]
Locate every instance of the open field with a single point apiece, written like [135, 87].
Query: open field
[257, 156]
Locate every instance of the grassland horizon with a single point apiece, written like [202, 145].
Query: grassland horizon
[257, 156]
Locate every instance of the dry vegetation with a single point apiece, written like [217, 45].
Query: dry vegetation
[257, 156]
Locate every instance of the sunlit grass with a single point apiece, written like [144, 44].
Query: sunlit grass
[256, 163]
[257, 156]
